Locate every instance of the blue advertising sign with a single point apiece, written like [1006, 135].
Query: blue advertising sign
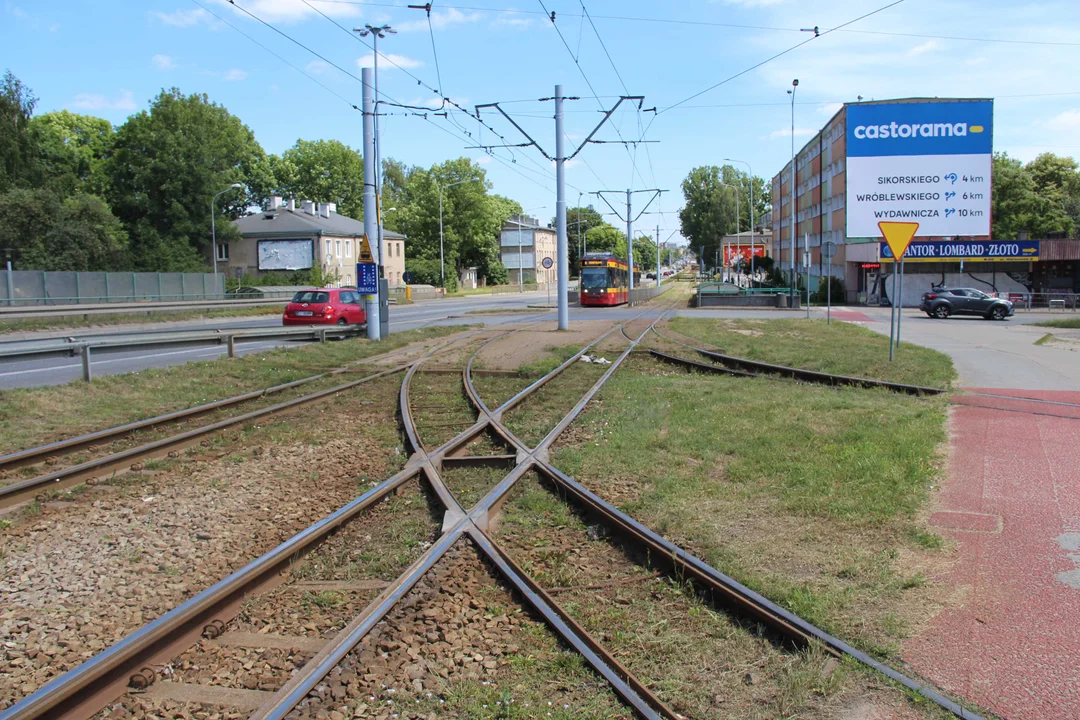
[971, 250]
[924, 162]
[367, 278]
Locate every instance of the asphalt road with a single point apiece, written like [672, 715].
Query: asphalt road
[53, 370]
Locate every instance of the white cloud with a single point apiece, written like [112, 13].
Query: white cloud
[234, 75]
[92, 101]
[163, 62]
[1068, 121]
[181, 17]
[388, 61]
[287, 11]
[317, 67]
[928, 46]
[513, 21]
[786, 133]
[483, 160]
[17, 11]
[439, 20]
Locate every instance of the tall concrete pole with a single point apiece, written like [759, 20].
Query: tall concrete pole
[794, 84]
[562, 255]
[630, 247]
[371, 223]
[657, 257]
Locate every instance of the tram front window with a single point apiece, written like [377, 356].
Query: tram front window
[594, 278]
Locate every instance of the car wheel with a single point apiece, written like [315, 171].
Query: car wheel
[342, 321]
[997, 313]
[941, 312]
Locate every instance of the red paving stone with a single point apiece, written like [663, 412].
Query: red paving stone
[1012, 503]
[851, 316]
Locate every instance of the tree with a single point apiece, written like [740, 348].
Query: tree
[644, 253]
[16, 146]
[575, 231]
[322, 171]
[71, 151]
[606, 238]
[1019, 206]
[167, 164]
[47, 233]
[710, 210]
[1057, 179]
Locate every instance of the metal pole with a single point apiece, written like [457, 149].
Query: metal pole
[87, 375]
[370, 212]
[442, 269]
[378, 163]
[892, 314]
[794, 85]
[828, 294]
[213, 232]
[11, 285]
[562, 254]
[806, 264]
[657, 238]
[630, 248]
[751, 225]
[900, 303]
[521, 269]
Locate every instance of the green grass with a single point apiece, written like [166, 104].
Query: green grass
[838, 348]
[811, 495]
[132, 318]
[1072, 322]
[34, 416]
[1047, 338]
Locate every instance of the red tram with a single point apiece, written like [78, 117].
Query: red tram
[605, 280]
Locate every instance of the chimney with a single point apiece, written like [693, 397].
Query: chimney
[292, 204]
[275, 202]
[331, 208]
[323, 210]
[307, 206]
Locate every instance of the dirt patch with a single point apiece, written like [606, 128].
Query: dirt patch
[513, 351]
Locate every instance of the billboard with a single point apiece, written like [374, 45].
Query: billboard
[286, 254]
[741, 253]
[925, 162]
[972, 250]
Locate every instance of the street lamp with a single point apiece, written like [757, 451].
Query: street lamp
[213, 223]
[521, 219]
[751, 171]
[442, 271]
[376, 33]
[791, 92]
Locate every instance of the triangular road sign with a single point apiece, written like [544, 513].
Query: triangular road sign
[898, 235]
[364, 254]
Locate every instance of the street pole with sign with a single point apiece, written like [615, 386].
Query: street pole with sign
[898, 236]
[828, 250]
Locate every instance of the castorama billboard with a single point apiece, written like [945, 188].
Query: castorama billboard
[924, 162]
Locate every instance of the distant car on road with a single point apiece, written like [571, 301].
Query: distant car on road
[326, 306]
[650, 276]
[942, 302]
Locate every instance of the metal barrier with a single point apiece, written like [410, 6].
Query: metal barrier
[41, 287]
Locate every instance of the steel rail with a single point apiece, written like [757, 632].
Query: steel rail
[67, 477]
[84, 690]
[307, 678]
[687, 565]
[811, 376]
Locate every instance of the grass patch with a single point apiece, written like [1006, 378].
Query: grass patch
[132, 318]
[470, 484]
[540, 412]
[1047, 338]
[810, 495]
[838, 348]
[35, 416]
[1073, 323]
[496, 390]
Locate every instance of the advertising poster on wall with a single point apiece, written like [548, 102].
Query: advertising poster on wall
[734, 254]
[925, 162]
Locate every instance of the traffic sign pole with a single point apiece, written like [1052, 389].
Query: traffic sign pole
[898, 236]
[371, 228]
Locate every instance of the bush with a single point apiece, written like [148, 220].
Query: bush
[424, 271]
[837, 291]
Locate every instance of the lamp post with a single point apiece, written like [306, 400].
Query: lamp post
[213, 222]
[791, 92]
[376, 33]
[521, 219]
[442, 270]
[751, 171]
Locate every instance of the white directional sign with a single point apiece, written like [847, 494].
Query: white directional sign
[924, 162]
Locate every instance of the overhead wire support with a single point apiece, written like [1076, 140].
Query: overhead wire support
[629, 223]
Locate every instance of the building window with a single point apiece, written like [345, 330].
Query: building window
[338, 242]
[348, 248]
[399, 251]
[223, 251]
[348, 281]
[329, 252]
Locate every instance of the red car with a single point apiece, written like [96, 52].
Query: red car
[327, 306]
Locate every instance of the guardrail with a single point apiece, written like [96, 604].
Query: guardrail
[73, 346]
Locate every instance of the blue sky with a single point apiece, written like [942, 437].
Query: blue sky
[109, 58]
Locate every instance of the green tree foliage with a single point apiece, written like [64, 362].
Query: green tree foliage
[16, 146]
[1041, 198]
[167, 164]
[575, 231]
[48, 233]
[323, 171]
[644, 254]
[606, 238]
[710, 211]
[71, 151]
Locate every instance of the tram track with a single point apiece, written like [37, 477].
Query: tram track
[134, 662]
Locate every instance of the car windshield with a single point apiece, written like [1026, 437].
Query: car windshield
[308, 296]
[977, 294]
[594, 278]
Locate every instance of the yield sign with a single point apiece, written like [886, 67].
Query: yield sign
[364, 254]
[898, 235]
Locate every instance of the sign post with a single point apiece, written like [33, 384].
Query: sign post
[367, 284]
[547, 263]
[898, 236]
[828, 249]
